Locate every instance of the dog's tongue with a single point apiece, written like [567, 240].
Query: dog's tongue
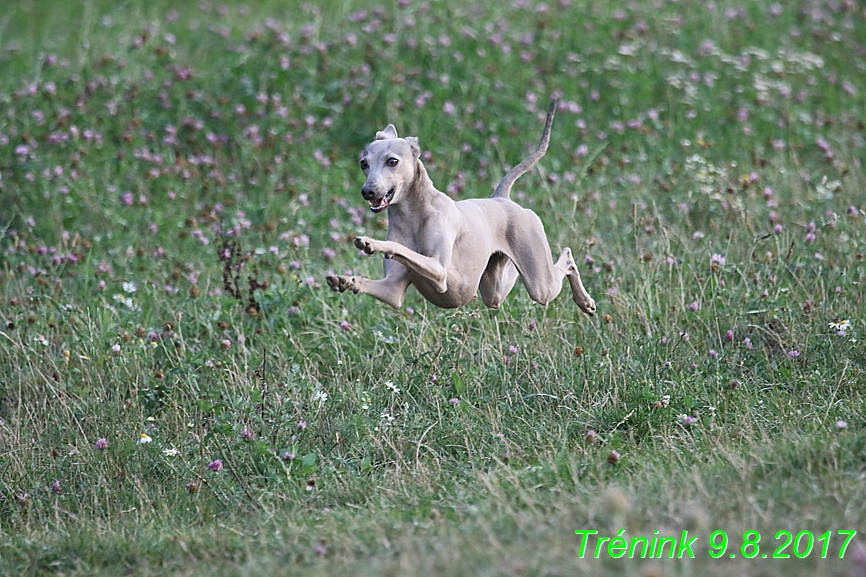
[379, 204]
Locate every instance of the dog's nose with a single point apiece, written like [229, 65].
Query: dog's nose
[368, 193]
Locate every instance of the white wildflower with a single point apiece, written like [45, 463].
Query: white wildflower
[386, 416]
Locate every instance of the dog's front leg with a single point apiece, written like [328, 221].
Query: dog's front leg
[429, 267]
[390, 290]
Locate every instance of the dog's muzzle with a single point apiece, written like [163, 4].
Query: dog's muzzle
[377, 203]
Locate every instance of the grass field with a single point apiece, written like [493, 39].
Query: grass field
[181, 394]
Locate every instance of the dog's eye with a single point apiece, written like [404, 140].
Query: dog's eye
[392, 162]
[364, 165]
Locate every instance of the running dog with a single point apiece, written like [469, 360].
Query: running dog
[451, 251]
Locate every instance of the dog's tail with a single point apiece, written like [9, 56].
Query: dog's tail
[503, 189]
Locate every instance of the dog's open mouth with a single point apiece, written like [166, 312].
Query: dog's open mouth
[380, 204]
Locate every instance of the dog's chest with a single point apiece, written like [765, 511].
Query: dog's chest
[417, 239]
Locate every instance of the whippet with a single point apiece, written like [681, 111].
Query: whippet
[453, 250]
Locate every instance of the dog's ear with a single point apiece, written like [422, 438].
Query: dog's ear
[413, 145]
[387, 134]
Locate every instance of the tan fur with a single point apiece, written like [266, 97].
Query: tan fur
[452, 250]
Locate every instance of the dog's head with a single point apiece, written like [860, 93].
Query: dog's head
[389, 165]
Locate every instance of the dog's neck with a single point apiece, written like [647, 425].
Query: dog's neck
[416, 199]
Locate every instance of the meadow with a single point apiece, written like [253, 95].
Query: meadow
[181, 394]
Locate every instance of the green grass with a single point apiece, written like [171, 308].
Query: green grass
[176, 183]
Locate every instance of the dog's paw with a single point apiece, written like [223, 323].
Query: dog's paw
[366, 244]
[333, 282]
[342, 283]
[587, 306]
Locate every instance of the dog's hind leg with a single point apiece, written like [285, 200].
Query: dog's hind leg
[541, 276]
[578, 293]
[498, 280]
